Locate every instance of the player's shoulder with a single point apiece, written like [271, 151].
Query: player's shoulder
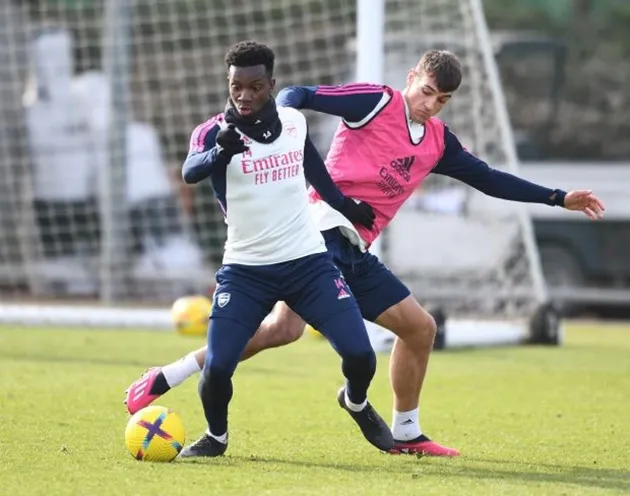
[391, 91]
[291, 113]
[292, 118]
[436, 123]
[214, 121]
[207, 128]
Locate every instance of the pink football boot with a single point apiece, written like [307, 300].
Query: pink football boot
[139, 393]
[422, 446]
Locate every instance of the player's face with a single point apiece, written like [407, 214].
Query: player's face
[424, 99]
[250, 88]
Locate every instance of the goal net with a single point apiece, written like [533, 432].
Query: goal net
[100, 98]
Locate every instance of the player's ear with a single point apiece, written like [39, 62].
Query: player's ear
[411, 76]
[272, 82]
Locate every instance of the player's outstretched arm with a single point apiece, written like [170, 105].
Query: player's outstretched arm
[352, 102]
[317, 175]
[460, 164]
[210, 147]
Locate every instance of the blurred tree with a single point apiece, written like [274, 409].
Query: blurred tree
[594, 116]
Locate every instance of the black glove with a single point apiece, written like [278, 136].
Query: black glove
[357, 212]
[230, 142]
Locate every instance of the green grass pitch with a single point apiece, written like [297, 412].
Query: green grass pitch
[529, 420]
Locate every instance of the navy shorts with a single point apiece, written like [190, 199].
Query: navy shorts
[374, 286]
[312, 286]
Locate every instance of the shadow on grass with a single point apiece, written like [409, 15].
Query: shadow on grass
[591, 476]
[237, 461]
[465, 468]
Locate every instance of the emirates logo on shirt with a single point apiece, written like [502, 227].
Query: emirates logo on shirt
[274, 161]
[273, 168]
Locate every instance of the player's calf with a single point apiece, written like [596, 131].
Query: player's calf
[281, 327]
[359, 371]
[226, 341]
[348, 336]
[215, 391]
[159, 380]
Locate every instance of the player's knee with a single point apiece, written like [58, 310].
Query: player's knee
[428, 329]
[421, 333]
[221, 361]
[215, 382]
[359, 367]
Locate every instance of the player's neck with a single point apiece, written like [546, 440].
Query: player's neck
[264, 126]
[410, 121]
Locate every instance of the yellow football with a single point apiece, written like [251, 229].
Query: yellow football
[190, 314]
[310, 330]
[155, 434]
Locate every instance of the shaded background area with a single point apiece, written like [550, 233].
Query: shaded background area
[564, 67]
[591, 117]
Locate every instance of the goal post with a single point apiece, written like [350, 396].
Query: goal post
[97, 228]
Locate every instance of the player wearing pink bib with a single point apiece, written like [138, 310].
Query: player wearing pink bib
[387, 143]
[393, 160]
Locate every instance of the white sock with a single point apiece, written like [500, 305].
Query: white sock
[222, 439]
[177, 372]
[406, 425]
[354, 406]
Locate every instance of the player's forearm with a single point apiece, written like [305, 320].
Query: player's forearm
[351, 102]
[462, 165]
[317, 175]
[199, 166]
[506, 186]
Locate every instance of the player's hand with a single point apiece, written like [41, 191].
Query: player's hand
[357, 212]
[585, 201]
[230, 141]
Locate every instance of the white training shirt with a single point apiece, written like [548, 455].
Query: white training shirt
[267, 208]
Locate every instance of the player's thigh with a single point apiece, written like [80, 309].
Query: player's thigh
[325, 301]
[237, 311]
[346, 333]
[242, 295]
[374, 286]
[409, 321]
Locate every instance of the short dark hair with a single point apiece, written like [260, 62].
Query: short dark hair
[444, 66]
[250, 53]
